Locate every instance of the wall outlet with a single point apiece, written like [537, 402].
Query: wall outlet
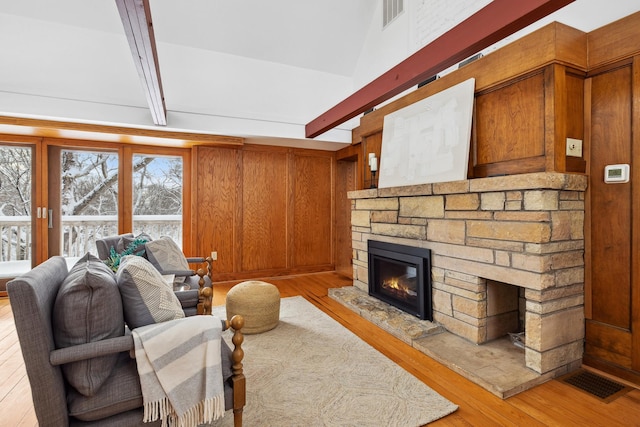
[214, 255]
[574, 147]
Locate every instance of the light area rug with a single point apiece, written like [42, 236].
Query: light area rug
[311, 371]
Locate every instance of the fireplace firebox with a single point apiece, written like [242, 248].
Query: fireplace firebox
[401, 276]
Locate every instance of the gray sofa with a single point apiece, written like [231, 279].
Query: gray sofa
[118, 399]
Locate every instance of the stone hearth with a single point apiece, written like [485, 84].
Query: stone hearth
[474, 362]
[491, 234]
[403, 326]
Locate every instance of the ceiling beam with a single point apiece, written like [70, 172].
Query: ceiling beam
[136, 19]
[494, 22]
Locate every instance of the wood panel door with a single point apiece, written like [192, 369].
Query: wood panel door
[613, 247]
[313, 214]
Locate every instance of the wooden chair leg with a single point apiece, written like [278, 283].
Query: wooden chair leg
[238, 379]
[205, 295]
[237, 417]
[209, 262]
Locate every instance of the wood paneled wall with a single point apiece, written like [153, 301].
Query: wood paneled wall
[504, 119]
[529, 99]
[313, 213]
[612, 234]
[217, 175]
[265, 210]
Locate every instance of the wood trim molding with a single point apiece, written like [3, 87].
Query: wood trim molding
[497, 20]
[614, 42]
[99, 132]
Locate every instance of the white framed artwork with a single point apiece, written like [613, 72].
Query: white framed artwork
[428, 141]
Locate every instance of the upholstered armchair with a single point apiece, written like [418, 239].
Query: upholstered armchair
[94, 382]
[190, 285]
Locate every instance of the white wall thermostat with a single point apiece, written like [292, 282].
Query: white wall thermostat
[614, 174]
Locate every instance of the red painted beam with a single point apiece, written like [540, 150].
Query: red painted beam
[497, 20]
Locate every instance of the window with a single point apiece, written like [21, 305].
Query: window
[157, 196]
[88, 199]
[15, 209]
[94, 193]
[58, 196]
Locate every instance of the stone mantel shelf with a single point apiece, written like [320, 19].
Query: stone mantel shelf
[528, 181]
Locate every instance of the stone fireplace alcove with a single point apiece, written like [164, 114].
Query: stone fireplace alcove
[494, 242]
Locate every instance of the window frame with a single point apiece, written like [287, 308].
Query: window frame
[131, 151]
[125, 152]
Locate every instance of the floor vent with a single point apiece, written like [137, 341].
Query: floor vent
[596, 385]
[390, 11]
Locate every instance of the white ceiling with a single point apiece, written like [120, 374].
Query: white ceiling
[252, 68]
[322, 35]
[237, 67]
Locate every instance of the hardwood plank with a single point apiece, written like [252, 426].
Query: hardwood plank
[15, 393]
[17, 404]
[13, 375]
[538, 403]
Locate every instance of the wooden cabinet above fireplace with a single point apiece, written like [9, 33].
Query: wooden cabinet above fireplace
[529, 98]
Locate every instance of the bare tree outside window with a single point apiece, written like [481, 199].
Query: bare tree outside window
[89, 183]
[15, 203]
[88, 198]
[157, 196]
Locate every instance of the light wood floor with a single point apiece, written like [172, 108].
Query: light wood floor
[551, 404]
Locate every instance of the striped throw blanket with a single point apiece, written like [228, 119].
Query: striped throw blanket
[180, 370]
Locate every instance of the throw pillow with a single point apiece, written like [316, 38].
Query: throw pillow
[166, 255]
[127, 244]
[139, 249]
[88, 308]
[146, 297]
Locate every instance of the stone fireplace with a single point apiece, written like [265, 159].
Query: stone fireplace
[507, 253]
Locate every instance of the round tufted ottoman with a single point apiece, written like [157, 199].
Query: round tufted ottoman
[258, 302]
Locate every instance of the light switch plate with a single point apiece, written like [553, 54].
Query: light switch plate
[574, 147]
